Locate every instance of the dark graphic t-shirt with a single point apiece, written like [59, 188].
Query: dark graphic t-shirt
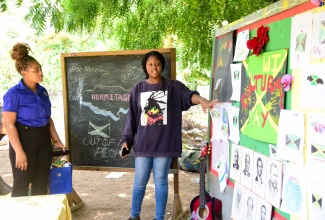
[154, 121]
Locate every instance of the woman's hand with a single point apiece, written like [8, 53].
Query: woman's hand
[124, 146]
[21, 161]
[205, 104]
[59, 144]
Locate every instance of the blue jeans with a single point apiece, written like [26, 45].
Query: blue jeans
[143, 166]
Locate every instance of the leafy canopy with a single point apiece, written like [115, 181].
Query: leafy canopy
[187, 25]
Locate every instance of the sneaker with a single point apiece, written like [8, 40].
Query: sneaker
[135, 218]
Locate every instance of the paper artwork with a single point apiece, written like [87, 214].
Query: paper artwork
[236, 72]
[294, 190]
[238, 201]
[301, 34]
[220, 161]
[315, 194]
[236, 158]
[273, 149]
[273, 186]
[219, 122]
[246, 175]
[262, 95]
[264, 210]
[312, 86]
[291, 136]
[318, 40]
[223, 57]
[223, 171]
[250, 205]
[259, 174]
[316, 140]
[233, 118]
[241, 50]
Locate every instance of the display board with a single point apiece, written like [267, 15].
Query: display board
[97, 87]
[262, 98]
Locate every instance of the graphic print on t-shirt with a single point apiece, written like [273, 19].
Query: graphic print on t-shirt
[154, 108]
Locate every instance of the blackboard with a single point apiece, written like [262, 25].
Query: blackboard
[97, 87]
[223, 57]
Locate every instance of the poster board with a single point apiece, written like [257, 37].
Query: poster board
[278, 17]
[97, 86]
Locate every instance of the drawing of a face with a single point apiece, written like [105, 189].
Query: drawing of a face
[236, 156]
[238, 198]
[247, 162]
[263, 212]
[274, 175]
[250, 206]
[259, 166]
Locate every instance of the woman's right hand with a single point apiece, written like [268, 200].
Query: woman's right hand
[21, 161]
[124, 146]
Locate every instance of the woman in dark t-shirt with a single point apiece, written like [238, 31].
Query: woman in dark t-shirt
[153, 129]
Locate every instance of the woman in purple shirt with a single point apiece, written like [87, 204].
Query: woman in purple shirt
[153, 129]
[29, 126]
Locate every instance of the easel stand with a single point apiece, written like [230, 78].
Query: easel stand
[74, 200]
[4, 187]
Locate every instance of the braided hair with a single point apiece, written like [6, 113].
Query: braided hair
[19, 53]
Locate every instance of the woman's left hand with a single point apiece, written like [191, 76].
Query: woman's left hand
[59, 144]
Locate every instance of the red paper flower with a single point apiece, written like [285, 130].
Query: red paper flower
[257, 43]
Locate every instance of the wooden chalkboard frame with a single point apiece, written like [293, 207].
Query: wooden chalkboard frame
[177, 207]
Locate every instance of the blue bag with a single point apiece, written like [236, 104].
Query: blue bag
[61, 180]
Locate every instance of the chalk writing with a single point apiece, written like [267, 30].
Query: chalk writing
[89, 69]
[133, 73]
[110, 97]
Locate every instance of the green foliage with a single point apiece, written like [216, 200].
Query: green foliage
[40, 11]
[187, 25]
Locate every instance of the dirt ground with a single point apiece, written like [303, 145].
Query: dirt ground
[110, 198]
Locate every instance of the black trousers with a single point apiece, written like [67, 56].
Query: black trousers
[37, 145]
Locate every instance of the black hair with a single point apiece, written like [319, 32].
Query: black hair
[149, 54]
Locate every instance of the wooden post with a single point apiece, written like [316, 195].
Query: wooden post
[177, 205]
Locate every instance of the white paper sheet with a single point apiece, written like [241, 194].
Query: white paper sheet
[312, 87]
[220, 160]
[235, 168]
[318, 40]
[300, 44]
[294, 200]
[264, 210]
[316, 140]
[219, 118]
[250, 205]
[259, 174]
[241, 50]
[238, 201]
[273, 187]
[316, 194]
[236, 73]
[246, 174]
[291, 134]
[233, 118]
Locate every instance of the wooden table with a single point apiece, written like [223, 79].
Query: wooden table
[49, 207]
